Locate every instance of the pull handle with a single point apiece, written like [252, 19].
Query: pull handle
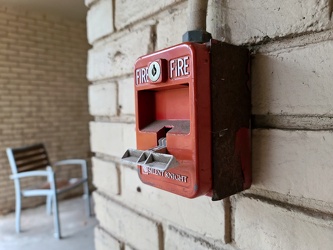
[155, 158]
[160, 162]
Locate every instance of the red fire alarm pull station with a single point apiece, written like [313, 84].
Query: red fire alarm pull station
[193, 120]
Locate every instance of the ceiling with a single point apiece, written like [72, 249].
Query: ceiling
[71, 9]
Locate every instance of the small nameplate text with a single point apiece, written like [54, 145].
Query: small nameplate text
[165, 174]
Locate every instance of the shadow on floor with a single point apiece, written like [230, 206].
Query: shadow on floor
[37, 229]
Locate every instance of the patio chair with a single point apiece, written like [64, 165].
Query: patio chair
[32, 161]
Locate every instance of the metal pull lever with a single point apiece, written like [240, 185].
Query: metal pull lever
[155, 158]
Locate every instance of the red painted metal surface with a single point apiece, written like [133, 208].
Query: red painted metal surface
[199, 99]
[176, 106]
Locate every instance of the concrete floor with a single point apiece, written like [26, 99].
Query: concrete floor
[37, 229]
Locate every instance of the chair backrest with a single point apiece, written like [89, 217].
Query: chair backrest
[28, 158]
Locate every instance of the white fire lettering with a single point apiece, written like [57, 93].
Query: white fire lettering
[172, 62]
[179, 67]
[141, 75]
[186, 65]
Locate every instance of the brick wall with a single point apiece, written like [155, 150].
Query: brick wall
[290, 204]
[43, 90]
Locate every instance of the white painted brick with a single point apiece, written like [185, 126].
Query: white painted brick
[262, 226]
[176, 22]
[126, 96]
[252, 21]
[89, 2]
[297, 163]
[118, 57]
[105, 176]
[103, 99]
[127, 225]
[104, 241]
[200, 214]
[111, 138]
[99, 20]
[127, 247]
[129, 11]
[294, 81]
[181, 240]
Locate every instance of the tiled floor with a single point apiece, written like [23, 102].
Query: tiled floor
[37, 229]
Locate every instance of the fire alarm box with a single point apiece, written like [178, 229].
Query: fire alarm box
[192, 120]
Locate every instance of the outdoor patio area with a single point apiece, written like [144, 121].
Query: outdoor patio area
[37, 229]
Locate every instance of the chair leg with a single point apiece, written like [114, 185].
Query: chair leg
[87, 198]
[57, 233]
[49, 204]
[18, 212]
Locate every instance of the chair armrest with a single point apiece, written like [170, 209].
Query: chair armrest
[47, 173]
[81, 162]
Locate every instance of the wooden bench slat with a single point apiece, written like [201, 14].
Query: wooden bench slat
[30, 162]
[28, 148]
[32, 157]
[35, 167]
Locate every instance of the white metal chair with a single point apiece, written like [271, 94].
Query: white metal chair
[32, 161]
